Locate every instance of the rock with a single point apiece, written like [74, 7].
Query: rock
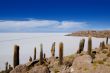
[19, 69]
[102, 69]
[51, 60]
[82, 61]
[39, 69]
[81, 64]
[32, 63]
[100, 57]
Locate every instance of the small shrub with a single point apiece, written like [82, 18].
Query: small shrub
[99, 62]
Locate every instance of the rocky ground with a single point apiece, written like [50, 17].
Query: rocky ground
[94, 33]
[76, 63]
[94, 60]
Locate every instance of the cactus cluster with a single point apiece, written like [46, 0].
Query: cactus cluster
[81, 46]
[8, 68]
[61, 53]
[102, 45]
[41, 54]
[16, 56]
[61, 46]
[35, 53]
[89, 45]
[53, 50]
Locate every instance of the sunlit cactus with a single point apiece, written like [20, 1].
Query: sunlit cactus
[30, 59]
[81, 46]
[41, 54]
[16, 56]
[107, 40]
[61, 53]
[53, 50]
[34, 53]
[89, 45]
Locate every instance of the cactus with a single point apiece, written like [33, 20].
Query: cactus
[44, 55]
[53, 49]
[89, 45]
[61, 53]
[100, 44]
[10, 68]
[34, 53]
[81, 46]
[106, 40]
[30, 59]
[93, 55]
[6, 68]
[103, 45]
[41, 54]
[16, 56]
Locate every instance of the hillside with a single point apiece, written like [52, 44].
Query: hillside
[94, 33]
[94, 60]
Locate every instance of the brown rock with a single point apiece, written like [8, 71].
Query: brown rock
[19, 69]
[39, 69]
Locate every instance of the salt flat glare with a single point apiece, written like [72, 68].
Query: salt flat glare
[28, 41]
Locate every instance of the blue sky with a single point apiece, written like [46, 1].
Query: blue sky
[54, 15]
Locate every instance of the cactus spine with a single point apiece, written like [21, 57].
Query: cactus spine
[89, 45]
[34, 53]
[106, 40]
[16, 56]
[61, 53]
[53, 49]
[81, 46]
[41, 54]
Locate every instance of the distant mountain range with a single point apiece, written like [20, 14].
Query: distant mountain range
[93, 33]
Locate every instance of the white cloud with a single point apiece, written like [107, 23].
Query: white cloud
[71, 24]
[15, 25]
[27, 23]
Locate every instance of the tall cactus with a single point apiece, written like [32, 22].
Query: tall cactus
[61, 53]
[81, 46]
[35, 53]
[106, 40]
[16, 56]
[41, 54]
[89, 45]
[53, 49]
